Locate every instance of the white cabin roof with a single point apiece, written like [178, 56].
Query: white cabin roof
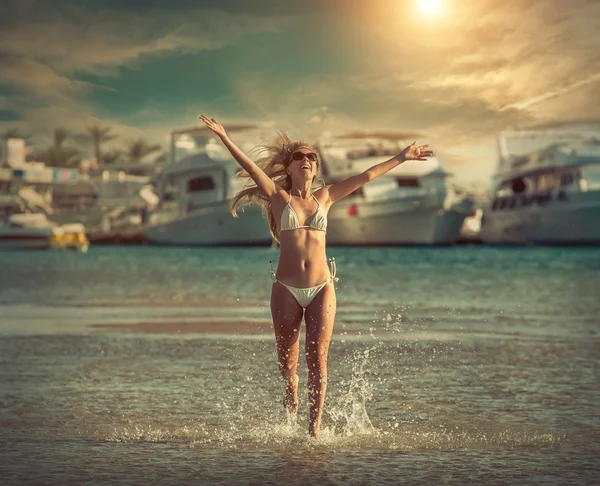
[200, 161]
[344, 157]
[555, 156]
[32, 220]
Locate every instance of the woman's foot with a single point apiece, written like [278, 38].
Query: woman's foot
[290, 399]
[314, 431]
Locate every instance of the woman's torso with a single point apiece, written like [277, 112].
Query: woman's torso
[302, 256]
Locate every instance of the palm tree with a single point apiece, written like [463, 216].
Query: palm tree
[112, 157]
[139, 148]
[58, 154]
[15, 133]
[97, 135]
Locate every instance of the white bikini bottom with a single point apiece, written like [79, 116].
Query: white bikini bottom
[304, 296]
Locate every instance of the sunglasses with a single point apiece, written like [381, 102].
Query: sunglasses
[300, 155]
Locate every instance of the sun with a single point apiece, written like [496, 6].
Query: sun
[430, 7]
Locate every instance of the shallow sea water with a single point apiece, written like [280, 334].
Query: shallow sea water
[463, 365]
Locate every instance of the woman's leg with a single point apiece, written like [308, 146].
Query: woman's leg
[287, 319]
[319, 317]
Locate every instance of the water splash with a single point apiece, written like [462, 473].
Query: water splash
[349, 414]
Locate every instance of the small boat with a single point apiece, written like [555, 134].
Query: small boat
[34, 231]
[471, 228]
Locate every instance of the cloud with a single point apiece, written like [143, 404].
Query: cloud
[554, 93]
[521, 54]
[40, 81]
[77, 40]
[486, 66]
[45, 50]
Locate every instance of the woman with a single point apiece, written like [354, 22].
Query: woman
[303, 284]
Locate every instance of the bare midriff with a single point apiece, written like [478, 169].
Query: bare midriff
[302, 258]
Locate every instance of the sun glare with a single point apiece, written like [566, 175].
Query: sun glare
[430, 7]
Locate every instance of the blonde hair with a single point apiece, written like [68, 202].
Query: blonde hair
[273, 158]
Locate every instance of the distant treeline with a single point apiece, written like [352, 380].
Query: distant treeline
[68, 149]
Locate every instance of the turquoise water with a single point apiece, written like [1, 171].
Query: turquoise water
[448, 365]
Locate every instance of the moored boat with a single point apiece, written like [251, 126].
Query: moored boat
[34, 231]
[546, 189]
[411, 204]
[194, 198]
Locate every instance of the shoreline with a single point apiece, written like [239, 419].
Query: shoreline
[253, 328]
[200, 326]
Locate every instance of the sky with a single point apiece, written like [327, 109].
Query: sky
[456, 74]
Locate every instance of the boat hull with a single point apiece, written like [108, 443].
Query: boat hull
[25, 240]
[393, 222]
[209, 226]
[572, 222]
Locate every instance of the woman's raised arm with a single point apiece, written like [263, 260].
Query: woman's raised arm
[340, 190]
[263, 181]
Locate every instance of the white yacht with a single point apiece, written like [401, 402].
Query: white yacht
[546, 189]
[26, 232]
[194, 197]
[411, 204]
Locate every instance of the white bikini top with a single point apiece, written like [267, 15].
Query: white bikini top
[289, 218]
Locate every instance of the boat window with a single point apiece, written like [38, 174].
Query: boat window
[170, 190]
[505, 189]
[548, 180]
[568, 178]
[408, 182]
[518, 185]
[203, 183]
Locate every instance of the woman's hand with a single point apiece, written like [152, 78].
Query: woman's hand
[412, 152]
[214, 126]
